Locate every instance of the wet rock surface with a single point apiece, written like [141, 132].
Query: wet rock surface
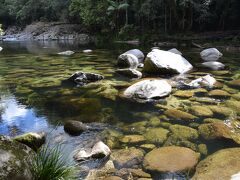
[211, 54]
[222, 164]
[170, 159]
[75, 127]
[131, 73]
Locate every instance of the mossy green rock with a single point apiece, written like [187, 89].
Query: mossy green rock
[127, 158]
[234, 83]
[184, 94]
[179, 115]
[212, 120]
[201, 111]
[156, 135]
[14, 158]
[32, 140]
[170, 159]
[235, 105]
[154, 121]
[221, 110]
[132, 139]
[217, 130]
[221, 165]
[219, 94]
[202, 148]
[184, 132]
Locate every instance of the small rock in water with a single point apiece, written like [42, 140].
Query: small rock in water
[148, 90]
[214, 65]
[132, 73]
[99, 150]
[1, 49]
[87, 51]
[82, 78]
[75, 127]
[131, 59]
[207, 81]
[66, 53]
[211, 54]
[32, 140]
[175, 51]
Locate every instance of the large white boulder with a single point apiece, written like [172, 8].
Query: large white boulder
[131, 58]
[214, 65]
[1, 49]
[148, 90]
[175, 51]
[211, 54]
[164, 62]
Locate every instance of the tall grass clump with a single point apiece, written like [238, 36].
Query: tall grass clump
[48, 164]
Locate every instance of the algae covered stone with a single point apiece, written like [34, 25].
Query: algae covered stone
[220, 165]
[184, 132]
[133, 139]
[179, 115]
[75, 127]
[170, 159]
[221, 110]
[184, 93]
[156, 135]
[234, 83]
[201, 111]
[219, 94]
[32, 140]
[235, 105]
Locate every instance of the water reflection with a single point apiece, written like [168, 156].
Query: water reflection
[17, 119]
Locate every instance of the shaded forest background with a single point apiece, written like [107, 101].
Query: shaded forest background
[127, 16]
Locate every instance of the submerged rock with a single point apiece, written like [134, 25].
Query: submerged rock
[66, 53]
[201, 111]
[234, 105]
[75, 127]
[156, 135]
[32, 140]
[148, 90]
[131, 73]
[131, 139]
[211, 54]
[127, 158]
[221, 165]
[14, 160]
[179, 115]
[184, 132]
[99, 151]
[131, 58]
[234, 83]
[217, 130]
[82, 78]
[170, 159]
[214, 65]
[164, 62]
[175, 51]
[219, 94]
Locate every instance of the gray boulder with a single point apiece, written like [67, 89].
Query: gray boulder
[99, 151]
[131, 73]
[148, 90]
[214, 65]
[75, 127]
[66, 53]
[164, 62]
[82, 78]
[211, 54]
[14, 156]
[131, 58]
[175, 51]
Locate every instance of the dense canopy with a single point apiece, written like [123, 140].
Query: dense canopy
[127, 15]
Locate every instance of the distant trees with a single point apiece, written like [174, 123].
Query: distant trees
[114, 15]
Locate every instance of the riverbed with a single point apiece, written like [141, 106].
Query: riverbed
[33, 98]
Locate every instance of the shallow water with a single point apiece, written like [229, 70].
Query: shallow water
[33, 97]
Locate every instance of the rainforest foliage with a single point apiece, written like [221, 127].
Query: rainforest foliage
[123, 16]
